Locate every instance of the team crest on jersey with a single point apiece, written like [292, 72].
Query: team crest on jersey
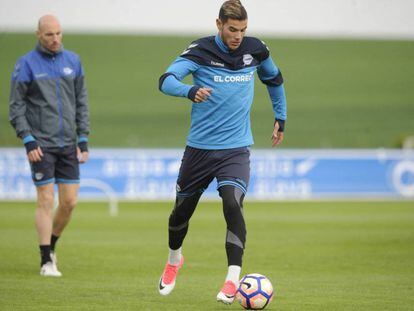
[67, 71]
[247, 59]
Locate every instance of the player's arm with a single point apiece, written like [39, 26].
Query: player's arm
[17, 110]
[170, 82]
[82, 114]
[270, 75]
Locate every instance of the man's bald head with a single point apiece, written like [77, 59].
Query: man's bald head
[49, 33]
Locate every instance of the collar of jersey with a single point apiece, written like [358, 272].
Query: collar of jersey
[43, 50]
[221, 44]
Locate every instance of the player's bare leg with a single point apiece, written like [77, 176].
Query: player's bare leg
[44, 221]
[68, 194]
[44, 213]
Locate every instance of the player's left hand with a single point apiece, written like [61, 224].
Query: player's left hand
[82, 156]
[277, 137]
[202, 94]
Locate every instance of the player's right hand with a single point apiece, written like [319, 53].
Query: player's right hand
[35, 155]
[202, 94]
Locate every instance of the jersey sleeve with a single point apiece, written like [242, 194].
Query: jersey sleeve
[17, 102]
[170, 82]
[278, 98]
[270, 75]
[82, 109]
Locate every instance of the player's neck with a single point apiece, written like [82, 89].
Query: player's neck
[221, 44]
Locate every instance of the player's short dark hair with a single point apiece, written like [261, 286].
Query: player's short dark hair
[232, 9]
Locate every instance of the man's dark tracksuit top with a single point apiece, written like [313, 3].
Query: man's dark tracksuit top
[48, 100]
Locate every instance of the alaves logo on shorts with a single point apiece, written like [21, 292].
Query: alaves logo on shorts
[38, 176]
[247, 59]
[67, 71]
[177, 188]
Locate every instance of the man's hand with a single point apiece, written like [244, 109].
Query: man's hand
[83, 156]
[202, 94]
[82, 151]
[277, 137]
[35, 155]
[33, 151]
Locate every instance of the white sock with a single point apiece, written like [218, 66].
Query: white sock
[233, 274]
[174, 257]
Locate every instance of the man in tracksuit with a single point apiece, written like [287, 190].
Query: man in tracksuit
[223, 68]
[49, 111]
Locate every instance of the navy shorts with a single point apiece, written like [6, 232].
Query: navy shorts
[199, 167]
[60, 165]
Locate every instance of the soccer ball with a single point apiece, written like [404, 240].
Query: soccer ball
[255, 292]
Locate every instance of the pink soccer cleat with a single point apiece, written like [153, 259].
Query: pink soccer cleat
[227, 292]
[167, 280]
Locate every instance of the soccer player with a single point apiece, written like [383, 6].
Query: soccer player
[49, 111]
[223, 68]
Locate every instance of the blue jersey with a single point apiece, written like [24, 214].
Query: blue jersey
[223, 120]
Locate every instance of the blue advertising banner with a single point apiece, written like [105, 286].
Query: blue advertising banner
[150, 174]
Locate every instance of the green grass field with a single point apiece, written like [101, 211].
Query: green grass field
[320, 256]
[341, 93]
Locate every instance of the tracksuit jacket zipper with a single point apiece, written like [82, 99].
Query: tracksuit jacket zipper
[59, 101]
